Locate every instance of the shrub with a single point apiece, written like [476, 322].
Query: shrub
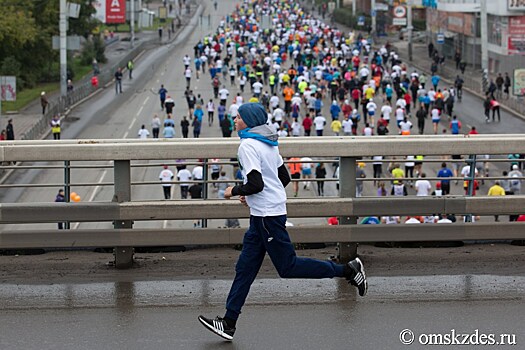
[93, 48]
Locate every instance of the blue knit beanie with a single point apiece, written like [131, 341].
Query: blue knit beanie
[253, 114]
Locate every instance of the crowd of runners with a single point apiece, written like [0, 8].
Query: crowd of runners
[314, 79]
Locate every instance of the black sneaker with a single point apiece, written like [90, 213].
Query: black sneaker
[358, 278]
[218, 326]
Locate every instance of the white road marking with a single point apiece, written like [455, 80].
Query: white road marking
[132, 123]
[94, 193]
[146, 100]
[125, 134]
[140, 110]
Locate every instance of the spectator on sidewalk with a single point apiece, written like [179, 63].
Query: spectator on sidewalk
[462, 66]
[130, 67]
[43, 101]
[499, 85]
[60, 198]
[55, 127]
[457, 58]
[507, 85]
[430, 50]
[10, 131]
[495, 107]
[118, 81]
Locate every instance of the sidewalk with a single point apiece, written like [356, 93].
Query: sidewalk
[30, 124]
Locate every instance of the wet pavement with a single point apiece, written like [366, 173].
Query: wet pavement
[280, 314]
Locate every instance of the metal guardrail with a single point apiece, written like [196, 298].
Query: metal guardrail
[123, 212]
[297, 208]
[304, 234]
[326, 146]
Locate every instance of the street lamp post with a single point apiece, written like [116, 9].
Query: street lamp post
[62, 26]
[132, 22]
[373, 9]
[484, 36]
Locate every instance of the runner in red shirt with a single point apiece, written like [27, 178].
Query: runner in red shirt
[307, 124]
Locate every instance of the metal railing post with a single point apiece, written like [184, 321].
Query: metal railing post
[204, 222]
[472, 162]
[67, 187]
[347, 189]
[122, 178]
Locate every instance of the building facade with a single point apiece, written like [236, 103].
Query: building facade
[457, 24]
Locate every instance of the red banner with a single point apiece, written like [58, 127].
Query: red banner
[517, 25]
[115, 11]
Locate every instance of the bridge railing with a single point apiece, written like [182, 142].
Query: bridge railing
[123, 212]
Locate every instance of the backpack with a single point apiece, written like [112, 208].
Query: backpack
[515, 183]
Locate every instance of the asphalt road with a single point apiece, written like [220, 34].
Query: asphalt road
[280, 314]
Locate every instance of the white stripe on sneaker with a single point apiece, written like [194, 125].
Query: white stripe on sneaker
[213, 327]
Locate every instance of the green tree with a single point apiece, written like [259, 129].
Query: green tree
[26, 31]
[85, 23]
[17, 26]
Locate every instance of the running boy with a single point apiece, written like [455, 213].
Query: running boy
[265, 177]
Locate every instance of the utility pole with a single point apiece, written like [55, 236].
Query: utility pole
[132, 22]
[373, 9]
[409, 29]
[354, 7]
[62, 26]
[484, 36]
[139, 22]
